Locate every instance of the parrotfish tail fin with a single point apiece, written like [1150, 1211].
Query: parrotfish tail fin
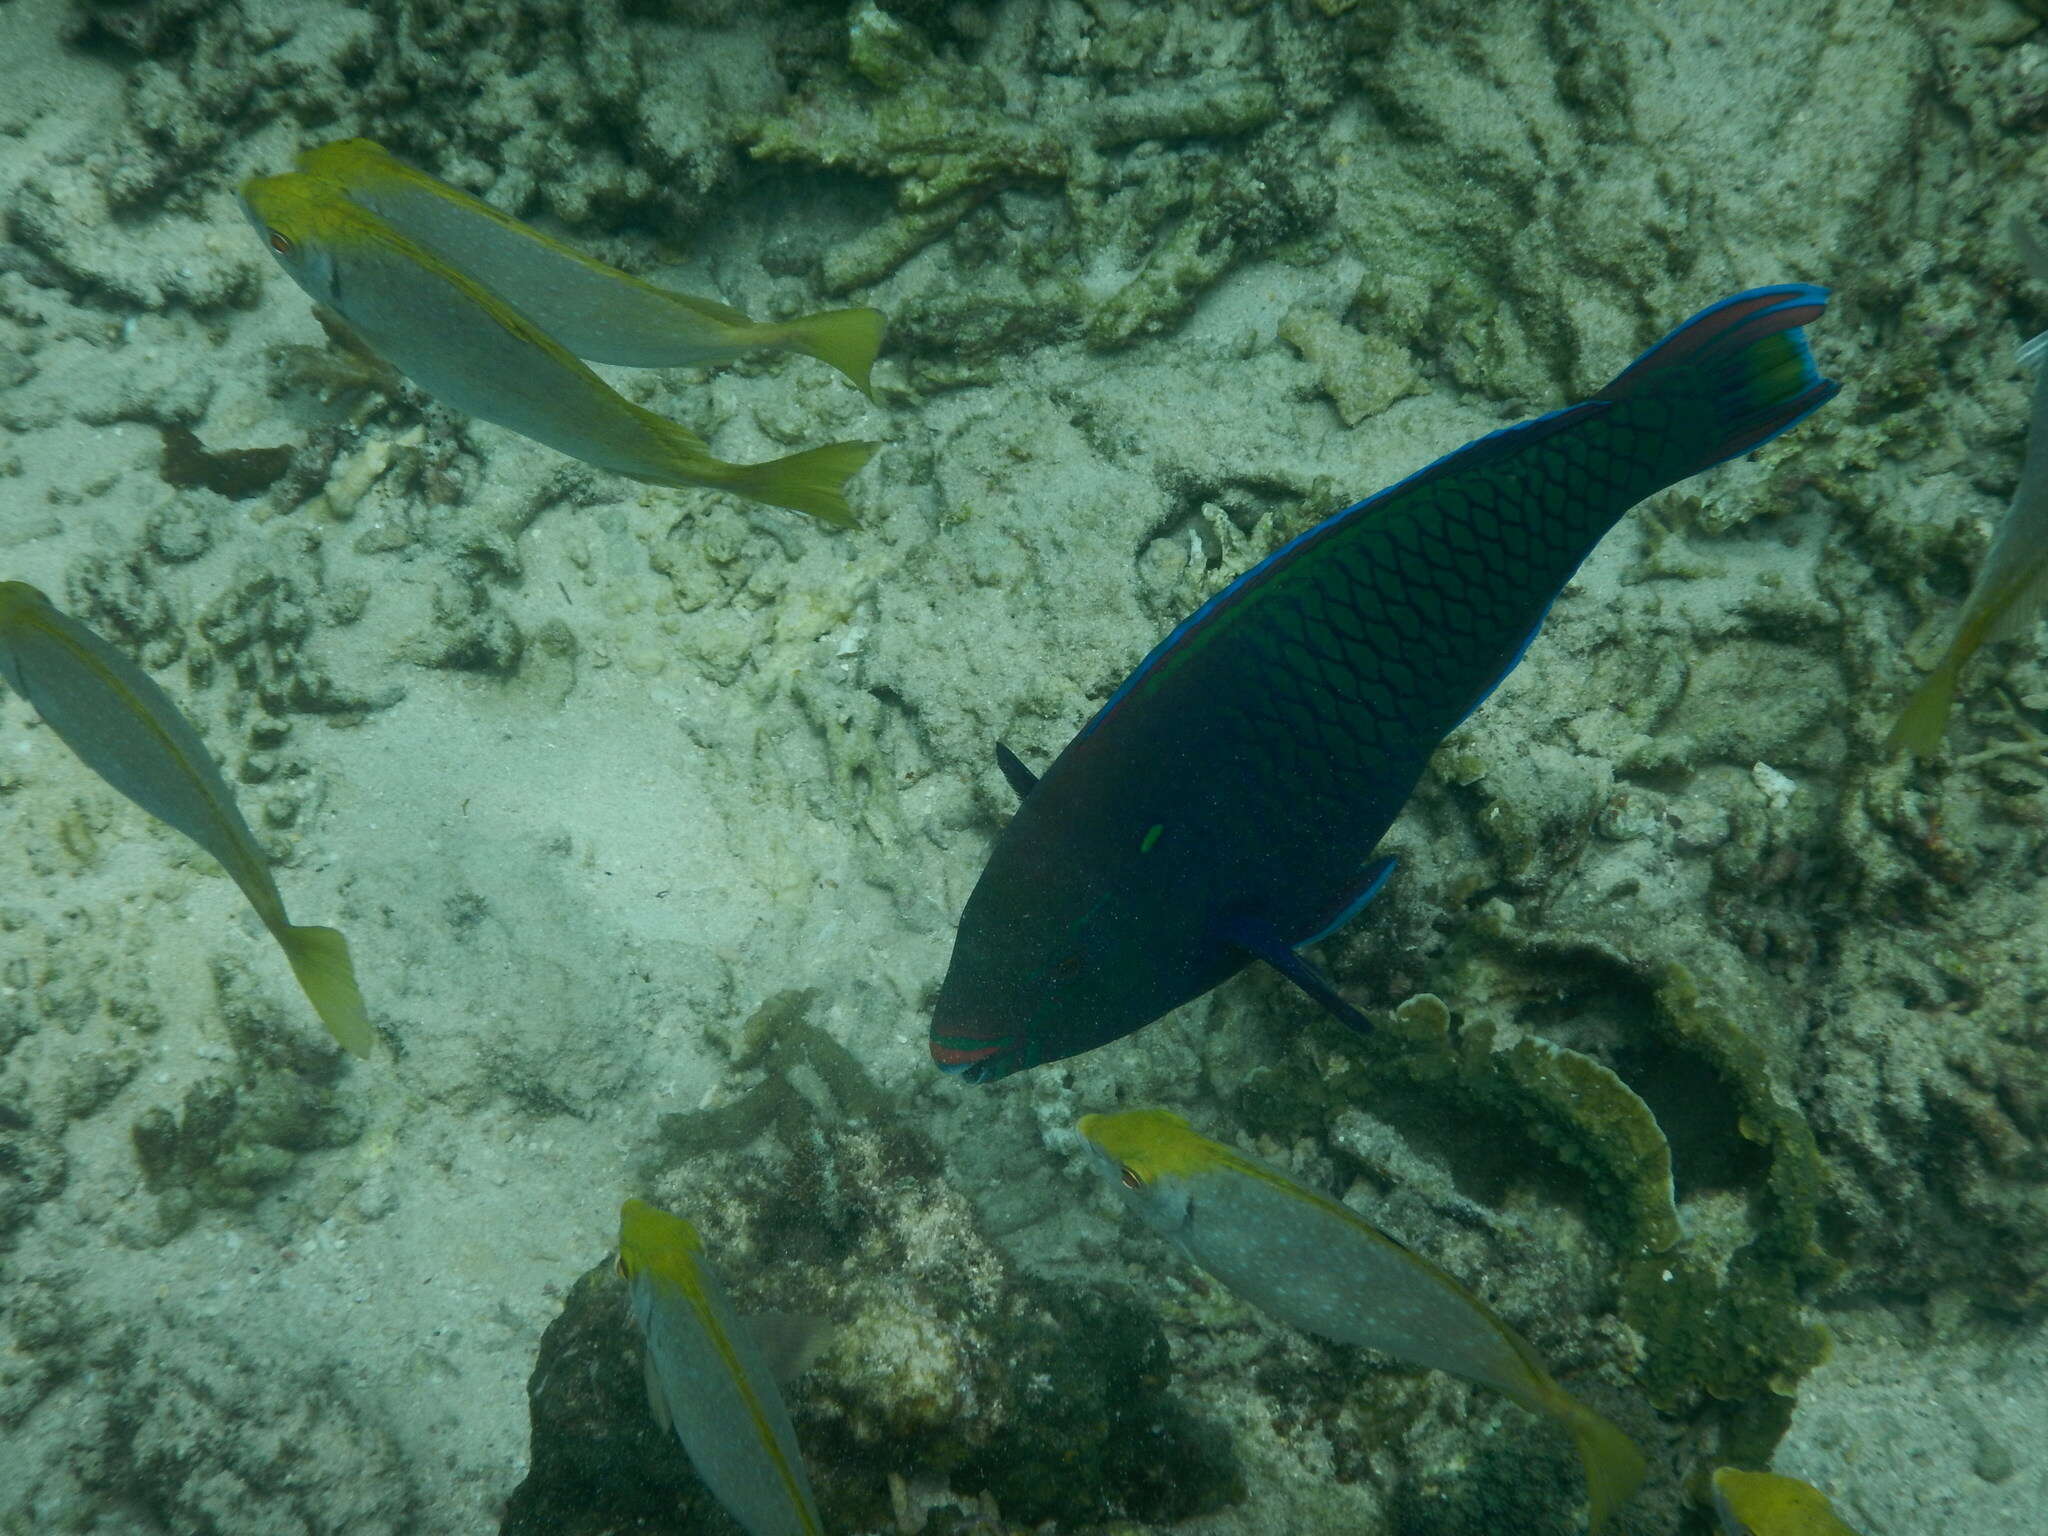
[813, 481]
[1614, 1467]
[1759, 377]
[846, 339]
[319, 958]
[1925, 716]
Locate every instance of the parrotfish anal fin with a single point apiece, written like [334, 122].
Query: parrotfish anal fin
[790, 1342]
[1022, 779]
[1262, 941]
[1370, 882]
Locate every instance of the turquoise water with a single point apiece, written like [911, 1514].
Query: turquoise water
[1709, 1049]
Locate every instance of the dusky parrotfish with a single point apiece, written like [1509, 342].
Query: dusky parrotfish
[1223, 804]
[710, 1379]
[1319, 1267]
[125, 728]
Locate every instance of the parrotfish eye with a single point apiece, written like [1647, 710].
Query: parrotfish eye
[1131, 1179]
[280, 243]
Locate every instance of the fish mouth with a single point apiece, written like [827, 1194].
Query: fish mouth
[977, 1058]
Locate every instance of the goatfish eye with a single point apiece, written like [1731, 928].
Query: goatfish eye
[280, 243]
[1132, 1180]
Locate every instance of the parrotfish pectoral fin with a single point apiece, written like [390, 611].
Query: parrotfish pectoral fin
[1752, 348]
[1260, 940]
[320, 960]
[1370, 881]
[1021, 779]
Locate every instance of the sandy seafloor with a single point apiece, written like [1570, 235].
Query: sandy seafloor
[587, 771]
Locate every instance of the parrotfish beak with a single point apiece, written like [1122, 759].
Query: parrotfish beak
[979, 1059]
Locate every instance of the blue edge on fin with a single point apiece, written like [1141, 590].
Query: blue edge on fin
[1814, 393]
[1260, 940]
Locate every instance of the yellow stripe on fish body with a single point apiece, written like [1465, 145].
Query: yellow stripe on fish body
[1766, 1504]
[123, 727]
[2012, 583]
[1316, 1265]
[469, 348]
[715, 1386]
[597, 311]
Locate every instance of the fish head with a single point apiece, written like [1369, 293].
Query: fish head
[1767, 1504]
[1148, 1156]
[656, 1244]
[347, 161]
[1076, 935]
[305, 221]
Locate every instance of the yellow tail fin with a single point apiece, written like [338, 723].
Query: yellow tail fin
[319, 958]
[1925, 716]
[813, 481]
[1614, 1467]
[847, 339]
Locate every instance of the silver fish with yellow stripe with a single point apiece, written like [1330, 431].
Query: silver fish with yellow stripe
[2012, 584]
[1312, 1263]
[709, 1379]
[470, 348]
[598, 312]
[123, 727]
[1769, 1504]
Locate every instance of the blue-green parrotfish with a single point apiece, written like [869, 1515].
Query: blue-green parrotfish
[125, 728]
[1223, 805]
[1316, 1266]
[473, 349]
[709, 1378]
[2012, 584]
[1768, 1504]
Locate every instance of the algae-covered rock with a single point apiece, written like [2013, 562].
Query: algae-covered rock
[1694, 1161]
[176, 1425]
[232, 1136]
[946, 1367]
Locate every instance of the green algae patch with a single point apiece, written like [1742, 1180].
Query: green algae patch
[1592, 1120]
[1716, 1242]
